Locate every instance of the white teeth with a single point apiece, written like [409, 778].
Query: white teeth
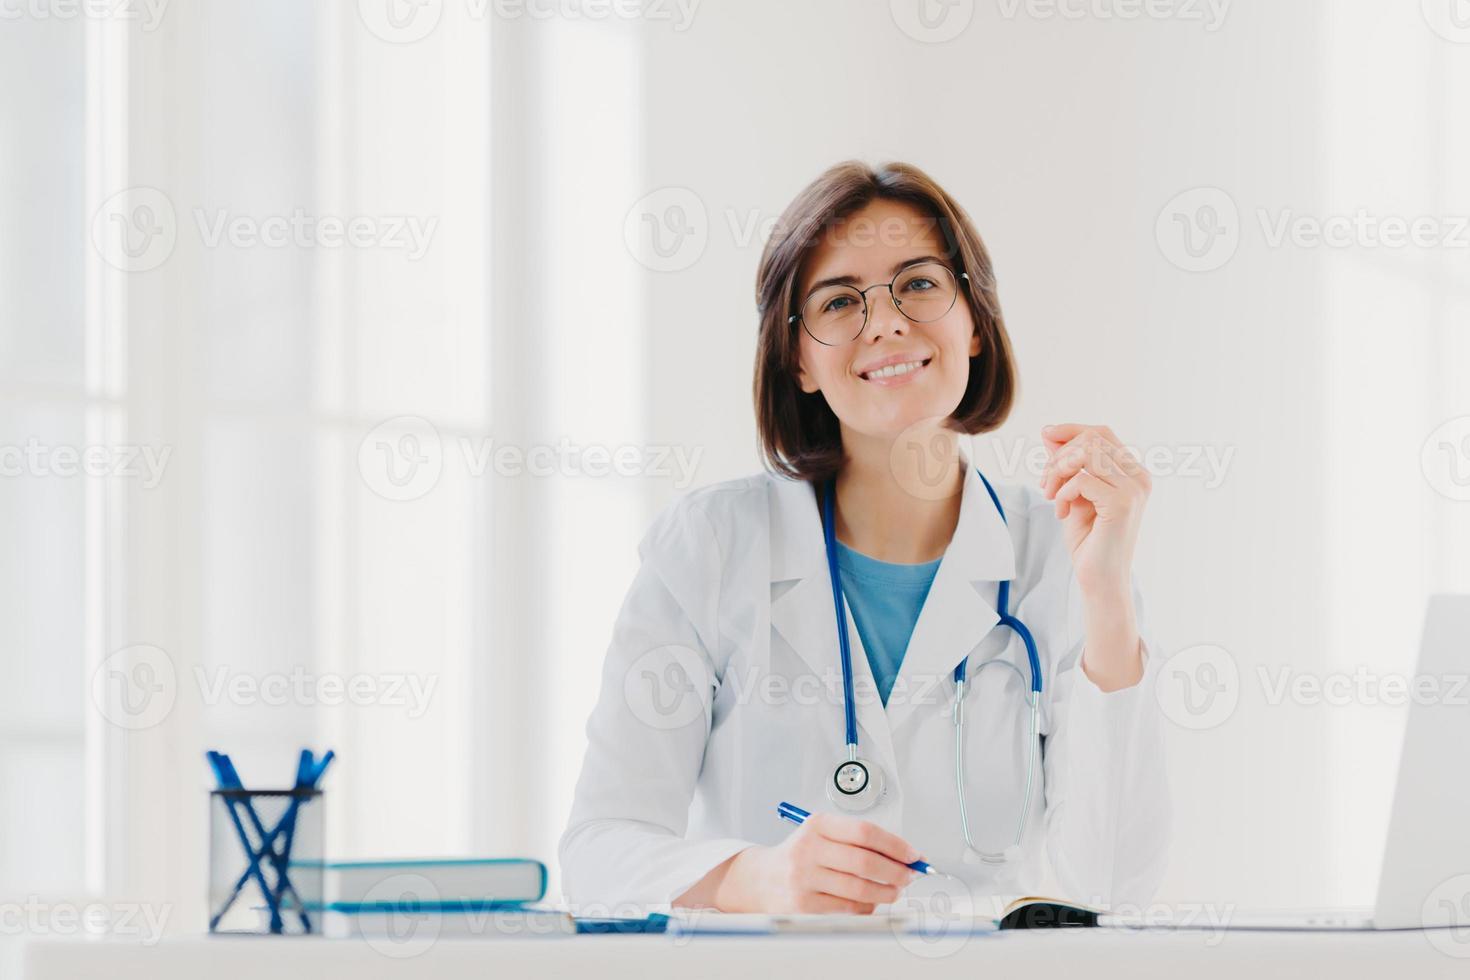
[893, 370]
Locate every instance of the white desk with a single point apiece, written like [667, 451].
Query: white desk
[1079, 954]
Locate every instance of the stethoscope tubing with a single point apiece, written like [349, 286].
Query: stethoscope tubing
[961, 672]
[829, 537]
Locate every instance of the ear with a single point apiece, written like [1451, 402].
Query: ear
[804, 377]
[975, 342]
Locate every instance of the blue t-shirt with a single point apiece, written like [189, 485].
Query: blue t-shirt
[885, 598]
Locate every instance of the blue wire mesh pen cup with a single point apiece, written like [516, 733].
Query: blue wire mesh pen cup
[265, 861]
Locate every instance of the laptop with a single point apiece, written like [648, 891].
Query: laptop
[1424, 881]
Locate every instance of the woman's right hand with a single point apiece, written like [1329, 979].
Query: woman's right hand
[831, 863]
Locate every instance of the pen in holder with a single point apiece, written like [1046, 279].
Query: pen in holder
[265, 852]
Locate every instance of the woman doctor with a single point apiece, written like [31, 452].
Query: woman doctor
[724, 690]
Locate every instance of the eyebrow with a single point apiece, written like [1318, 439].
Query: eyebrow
[853, 280]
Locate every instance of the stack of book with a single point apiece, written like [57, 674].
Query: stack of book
[424, 899]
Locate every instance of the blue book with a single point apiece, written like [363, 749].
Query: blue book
[453, 884]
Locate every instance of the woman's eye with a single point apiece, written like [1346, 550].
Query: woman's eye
[919, 284]
[837, 304]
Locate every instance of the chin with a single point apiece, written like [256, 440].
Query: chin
[920, 419]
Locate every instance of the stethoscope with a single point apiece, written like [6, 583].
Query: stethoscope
[858, 784]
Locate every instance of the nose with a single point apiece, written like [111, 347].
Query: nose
[883, 316]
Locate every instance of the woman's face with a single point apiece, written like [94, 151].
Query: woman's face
[867, 249]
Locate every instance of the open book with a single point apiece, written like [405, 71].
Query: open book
[1035, 912]
[1029, 912]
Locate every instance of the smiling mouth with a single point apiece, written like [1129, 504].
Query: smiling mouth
[896, 370]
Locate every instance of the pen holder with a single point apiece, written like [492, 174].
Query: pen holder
[265, 861]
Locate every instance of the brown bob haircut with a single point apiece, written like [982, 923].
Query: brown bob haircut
[799, 434]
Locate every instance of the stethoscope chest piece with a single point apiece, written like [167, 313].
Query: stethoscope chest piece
[856, 785]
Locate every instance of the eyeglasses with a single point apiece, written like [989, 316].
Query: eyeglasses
[837, 315]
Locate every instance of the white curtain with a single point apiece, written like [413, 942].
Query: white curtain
[330, 238]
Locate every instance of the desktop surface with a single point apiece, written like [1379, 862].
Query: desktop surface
[1069, 953]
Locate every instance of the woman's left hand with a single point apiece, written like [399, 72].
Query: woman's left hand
[1100, 491]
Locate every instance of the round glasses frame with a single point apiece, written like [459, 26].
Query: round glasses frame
[867, 309]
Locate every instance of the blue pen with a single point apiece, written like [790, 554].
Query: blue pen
[796, 815]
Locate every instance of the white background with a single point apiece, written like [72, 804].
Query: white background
[545, 149]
